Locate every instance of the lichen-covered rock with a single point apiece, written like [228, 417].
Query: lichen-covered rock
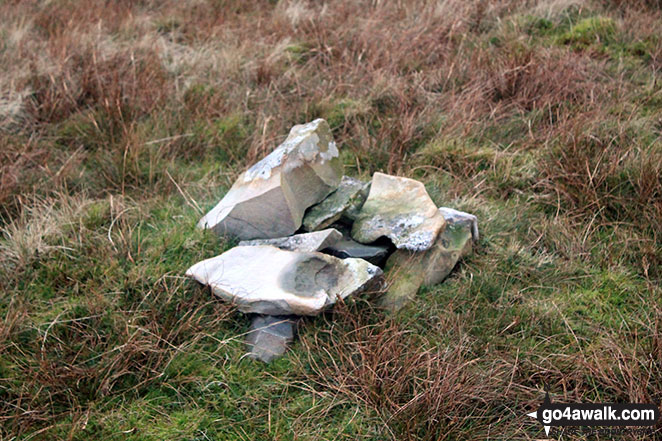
[461, 218]
[409, 270]
[267, 280]
[269, 336]
[400, 209]
[346, 201]
[315, 241]
[451, 245]
[269, 199]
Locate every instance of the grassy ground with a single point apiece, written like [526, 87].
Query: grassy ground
[121, 122]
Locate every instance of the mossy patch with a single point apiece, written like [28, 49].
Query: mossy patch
[588, 31]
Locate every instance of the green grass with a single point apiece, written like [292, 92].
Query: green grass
[544, 122]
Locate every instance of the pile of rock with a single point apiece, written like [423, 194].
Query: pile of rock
[311, 236]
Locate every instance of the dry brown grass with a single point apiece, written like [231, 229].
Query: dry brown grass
[117, 118]
[419, 389]
[75, 363]
[125, 85]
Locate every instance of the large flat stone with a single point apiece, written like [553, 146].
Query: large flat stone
[315, 241]
[408, 271]
[266, 280]
[346, 201]
[269, 336]
[270, 198]
[400, 209]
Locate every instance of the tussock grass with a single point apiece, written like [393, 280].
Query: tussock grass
[40, 222]
[121, 121]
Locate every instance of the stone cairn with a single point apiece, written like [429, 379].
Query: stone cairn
[310, 236]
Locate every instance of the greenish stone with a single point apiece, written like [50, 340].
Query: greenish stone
[408, 270]
[453, 244]
[346, 201]
[405, 277]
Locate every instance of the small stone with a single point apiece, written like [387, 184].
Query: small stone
[267, 280]
[344, 248]
[269, 336]
[461, 218]
[346, 201]
[270, 198]
[400, 209]
[315, 241]
[409, 270]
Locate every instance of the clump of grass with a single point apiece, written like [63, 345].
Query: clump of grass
[588, 31]
[123, 85]
[421, 391]
[37, 230]
[121, 120]
[20, 162]
[606, 174]
[79, 343]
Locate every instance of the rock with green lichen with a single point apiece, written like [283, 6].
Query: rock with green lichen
[400, 209]
[409, 270]
[453, 244]
[346, 202]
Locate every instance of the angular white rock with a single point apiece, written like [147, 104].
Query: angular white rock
[315, 241]
[400, 209]
[269, 199]
[267, 280]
